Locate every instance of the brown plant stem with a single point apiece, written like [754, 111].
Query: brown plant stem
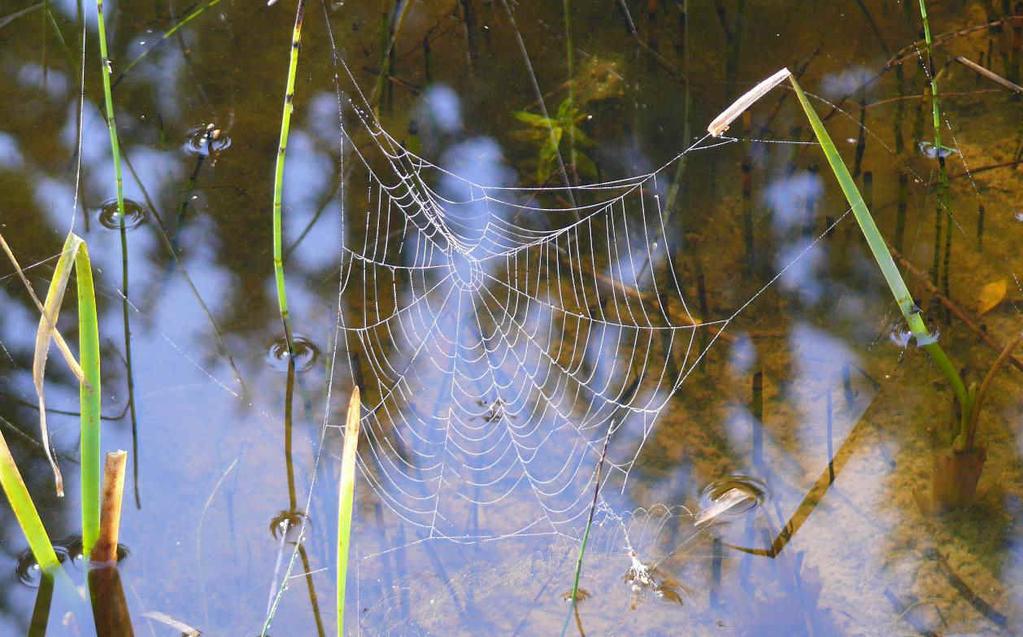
[105, 550]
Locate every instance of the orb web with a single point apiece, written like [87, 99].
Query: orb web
[500, 333]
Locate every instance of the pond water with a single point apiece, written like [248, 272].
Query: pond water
[562, 301]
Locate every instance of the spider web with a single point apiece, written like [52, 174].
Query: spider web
[500, 333]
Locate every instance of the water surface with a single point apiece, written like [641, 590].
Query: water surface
[706, 309]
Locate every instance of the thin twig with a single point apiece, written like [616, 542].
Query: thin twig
[911, 51]
[989, 74]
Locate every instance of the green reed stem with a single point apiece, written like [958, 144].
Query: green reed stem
[935, 101]
[115, 147]
[25, 511]
[346, 498]
[115, 151]
[883, 257]
[282, 147]
[943, 203]
[90, 399]
[574, 599]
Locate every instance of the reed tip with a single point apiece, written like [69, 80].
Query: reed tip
[721, 123]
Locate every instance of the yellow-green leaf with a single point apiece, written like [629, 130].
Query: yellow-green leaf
[991, 295]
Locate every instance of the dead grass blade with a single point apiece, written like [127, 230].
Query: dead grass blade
[44, 334]
[62, 346]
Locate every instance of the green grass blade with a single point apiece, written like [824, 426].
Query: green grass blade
[282, 149]
[866, 222]
[90, 397]
[883, 257]
[346, 499]
[25, 511]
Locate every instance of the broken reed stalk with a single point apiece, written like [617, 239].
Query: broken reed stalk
[109, 607]
[574, 599]
[875, 241]
[346, 498]
[282, 147]
[105, 551]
